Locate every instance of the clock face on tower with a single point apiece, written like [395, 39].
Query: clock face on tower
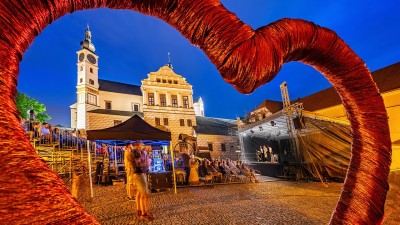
[81, 57]
[91, 59]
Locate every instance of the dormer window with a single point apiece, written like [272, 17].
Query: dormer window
[158, 80]
[170, 81]
[164, 81]
[175, 82]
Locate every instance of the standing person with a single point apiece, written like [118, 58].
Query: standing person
[140, 179]
[264, 153]
[271, 153]
[106, 163]
[186, 164]
[129, 170]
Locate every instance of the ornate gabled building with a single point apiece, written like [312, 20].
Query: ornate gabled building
[164, 99]
[168, 102]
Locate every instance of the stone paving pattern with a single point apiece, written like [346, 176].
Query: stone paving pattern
[274, 202]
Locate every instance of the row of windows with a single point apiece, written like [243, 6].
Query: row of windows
[135, 106]
[90, 69]
[163, 100]
[166, 122]
[90, 81]
[165, 81]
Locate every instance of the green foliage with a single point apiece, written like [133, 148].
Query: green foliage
[25, 103]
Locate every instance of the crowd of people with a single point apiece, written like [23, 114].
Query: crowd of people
[47, 134]
[137, 162]
[227, 169]
[218, 170]
[265, 154]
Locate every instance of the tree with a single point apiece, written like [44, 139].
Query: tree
[25, 103]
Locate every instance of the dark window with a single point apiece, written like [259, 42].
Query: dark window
[182, 122]
[158, 80]
[135, 107]
[151, 98]
[158, 123]
[91, 81]
[163, 100]
[165, 121]
[164, 81]
[116, 122]
[170, 81]
[175, 82]
[189, 123]
[80, 80]
[210, 146]
[185, 102]
[108, 105]
[91, 70]
[223, 147]
[174, 101]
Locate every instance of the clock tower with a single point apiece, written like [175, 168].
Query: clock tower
[87, 87]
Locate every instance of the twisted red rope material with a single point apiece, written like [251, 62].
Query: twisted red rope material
[31, 193]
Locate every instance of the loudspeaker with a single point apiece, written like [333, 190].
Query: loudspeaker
[297, 123]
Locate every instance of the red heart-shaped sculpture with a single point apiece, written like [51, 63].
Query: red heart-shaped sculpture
[31, 193]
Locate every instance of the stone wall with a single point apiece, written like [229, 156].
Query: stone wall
[231, 145]
[100, 121]
[173, 123]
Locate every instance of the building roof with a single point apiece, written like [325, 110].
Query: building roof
[387, 79]
[116, 112]
[117, 87]
[214, 126]
[271, 105]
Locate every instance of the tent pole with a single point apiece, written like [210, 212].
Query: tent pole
[115, 158]
[173, 165]
[95, 150]
[90, 168]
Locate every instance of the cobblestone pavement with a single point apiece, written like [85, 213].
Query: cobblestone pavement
[275, 202]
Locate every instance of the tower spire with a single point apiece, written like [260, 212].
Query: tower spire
[87, 43]
[169, 60]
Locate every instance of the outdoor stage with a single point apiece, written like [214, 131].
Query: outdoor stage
[267, 168]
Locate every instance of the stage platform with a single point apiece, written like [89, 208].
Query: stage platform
[267, 168]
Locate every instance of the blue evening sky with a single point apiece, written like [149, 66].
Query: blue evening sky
[131, 45]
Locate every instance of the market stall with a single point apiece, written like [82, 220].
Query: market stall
[135, 129]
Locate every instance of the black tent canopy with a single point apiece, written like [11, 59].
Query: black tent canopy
[134, 128]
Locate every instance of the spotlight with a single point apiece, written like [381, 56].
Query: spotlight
[273, 123]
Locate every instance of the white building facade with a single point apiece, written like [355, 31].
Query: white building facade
[164, 99]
